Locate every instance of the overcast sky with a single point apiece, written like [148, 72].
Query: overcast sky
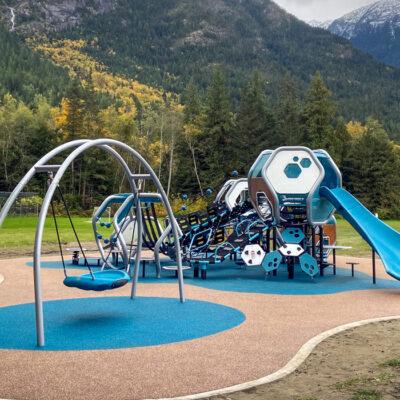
[321, 10]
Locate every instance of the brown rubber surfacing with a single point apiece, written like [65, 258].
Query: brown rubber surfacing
[275, 328]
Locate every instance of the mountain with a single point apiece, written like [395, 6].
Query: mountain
[38, 16]
[25, 74]
[320, 24]
[374, 29]
[167, 43]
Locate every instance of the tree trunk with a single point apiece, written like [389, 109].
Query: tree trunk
[195, 168]
[171, 162]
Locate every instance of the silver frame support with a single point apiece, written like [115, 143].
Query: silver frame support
[80, 147]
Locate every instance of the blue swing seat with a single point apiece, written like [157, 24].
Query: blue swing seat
[103, 280]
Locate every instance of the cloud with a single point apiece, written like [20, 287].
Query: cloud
[321, 10]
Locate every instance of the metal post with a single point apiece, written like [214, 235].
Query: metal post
[274, 246]
[373, 267]
[321, 250]
[334, 261]
[139, 246]
[313, 248]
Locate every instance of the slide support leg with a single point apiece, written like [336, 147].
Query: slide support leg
[373, 267]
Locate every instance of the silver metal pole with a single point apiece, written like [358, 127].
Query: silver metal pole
[167, 205]
[157, 246]
[139, 221]
[85, 145]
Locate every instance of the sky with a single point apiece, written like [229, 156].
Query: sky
[321, 10]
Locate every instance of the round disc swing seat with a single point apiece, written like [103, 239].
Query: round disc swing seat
[98, 281]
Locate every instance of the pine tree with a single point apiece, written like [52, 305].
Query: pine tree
[289, 132]
[318, 116]
[372, 163]
[256, 126]
[217, 145]
[343, 143]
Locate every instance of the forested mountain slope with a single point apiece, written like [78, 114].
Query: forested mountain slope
[166, 43]
[25, 74]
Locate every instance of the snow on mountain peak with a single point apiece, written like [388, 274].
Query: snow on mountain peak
[373, 15]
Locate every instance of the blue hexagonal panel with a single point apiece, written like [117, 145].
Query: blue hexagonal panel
[272, 261]
[305, 163]
[293, 235]
[309, 264]
[293, 171]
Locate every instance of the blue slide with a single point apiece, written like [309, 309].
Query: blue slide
[381, 237]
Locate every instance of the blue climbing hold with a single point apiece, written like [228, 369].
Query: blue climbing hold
[293, 235]
[272, 261]
[308, 264]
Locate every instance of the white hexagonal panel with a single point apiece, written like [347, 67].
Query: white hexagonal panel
[293, 171]
[291, 250]
[253, 255]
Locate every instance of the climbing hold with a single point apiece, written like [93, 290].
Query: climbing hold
[291, 250]
[309, 264]
[293, 235]
[253, 255]
[272, 261]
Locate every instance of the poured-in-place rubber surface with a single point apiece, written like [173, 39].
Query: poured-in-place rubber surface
[234, 278]
[114, 323]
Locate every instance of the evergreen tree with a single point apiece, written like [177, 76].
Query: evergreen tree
[343, 143]
[217, 144]
[318, 116]
[372, 163]
[289, 132]
[256, 126]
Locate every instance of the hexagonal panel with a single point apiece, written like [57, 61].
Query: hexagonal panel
[253, 255]
[292, 171]
[272, 261]
[291, 250]
[309, 264]
[293, 235]
[305, 162]
[281, 171]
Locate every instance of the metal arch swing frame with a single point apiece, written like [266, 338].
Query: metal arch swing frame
[80, 147]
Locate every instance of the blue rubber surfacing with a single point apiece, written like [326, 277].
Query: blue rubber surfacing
[230, 277]
[105, 323]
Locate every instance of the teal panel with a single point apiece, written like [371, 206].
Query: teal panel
[293, 235]
[321, 209]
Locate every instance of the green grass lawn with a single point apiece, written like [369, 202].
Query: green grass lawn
[347, 236]
[18, 233]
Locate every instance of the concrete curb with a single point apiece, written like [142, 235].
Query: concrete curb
[291, 366]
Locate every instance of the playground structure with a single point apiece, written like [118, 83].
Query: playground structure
[280, 217]
[296, 191]
[105, 279]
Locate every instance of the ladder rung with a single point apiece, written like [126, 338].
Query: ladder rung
[47, 168]
[141, 176]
